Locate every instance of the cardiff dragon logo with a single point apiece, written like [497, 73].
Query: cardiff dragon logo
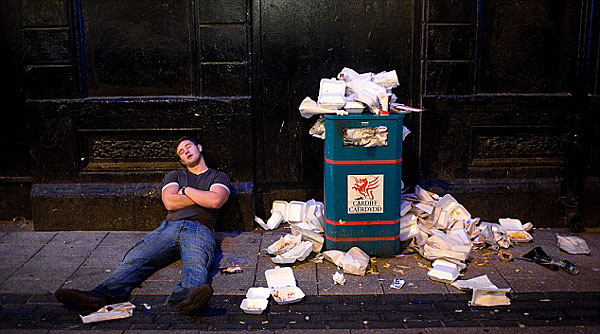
[365, 187]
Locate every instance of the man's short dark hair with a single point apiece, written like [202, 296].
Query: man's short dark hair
[178, 141]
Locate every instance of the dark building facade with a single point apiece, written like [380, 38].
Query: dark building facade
[98, 90]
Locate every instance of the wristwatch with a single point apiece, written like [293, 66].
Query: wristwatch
[183, 190]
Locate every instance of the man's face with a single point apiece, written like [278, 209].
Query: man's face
[189, 153]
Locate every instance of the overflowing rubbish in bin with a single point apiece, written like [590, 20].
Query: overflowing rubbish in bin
[366, 210]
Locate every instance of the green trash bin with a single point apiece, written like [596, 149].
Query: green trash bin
[362, 186]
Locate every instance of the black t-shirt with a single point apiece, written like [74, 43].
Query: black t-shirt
[205, 181]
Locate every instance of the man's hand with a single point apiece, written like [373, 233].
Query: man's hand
[212, 199]
[173, 199]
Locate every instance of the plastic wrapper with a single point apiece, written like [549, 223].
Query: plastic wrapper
[573, 245]
[110, 312]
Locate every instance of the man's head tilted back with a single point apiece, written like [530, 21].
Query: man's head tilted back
[188, 151]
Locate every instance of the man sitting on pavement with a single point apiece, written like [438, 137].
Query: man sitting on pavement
[192, 197]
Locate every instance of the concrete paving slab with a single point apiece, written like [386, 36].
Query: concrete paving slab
[29, 331]
[55, 271]
[123, 238]
[238, 238]
[87, 331]
[524, 284]
[11, 257]
[355, 285]
[586, 285]
[106, 256]
[6, 272]
[27, 238]
[305, 271]
[86, 278]
[57, 252]
[155, 288]
[413, 286]
[312, 331]
[407, 267]
[19, 285]
[233, 284]
[84, 238]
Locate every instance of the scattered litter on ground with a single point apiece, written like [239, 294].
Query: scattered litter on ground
[110, 312]
[505, 256]
[573, 245]
[256, 300]
[355, 261]
[397, 284]
[338, 278]
[490, 297]
[232, 270]
[282, 285]
[539, 256]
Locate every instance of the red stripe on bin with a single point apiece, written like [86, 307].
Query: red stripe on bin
[392, 238]
[362, 162]
[374, 222]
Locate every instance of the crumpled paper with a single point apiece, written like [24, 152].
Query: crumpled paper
[110, 312]
[308, 108]
[354, 262]
[338, 278]
[374, 90]
[573, 245]
[479, 282]
[318, 129]
[366, 136]
[444, 246]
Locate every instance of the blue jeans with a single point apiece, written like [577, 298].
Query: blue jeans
[190, 241]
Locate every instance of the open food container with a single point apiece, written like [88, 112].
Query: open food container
[256, 300]
[354, 107]
[331, 93]
[282, 207]
[296, 210]
[444, 271]
[282, 285]
[299, 253]
[515, 230]
[284, 244]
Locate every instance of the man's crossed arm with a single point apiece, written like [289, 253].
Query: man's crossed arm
[174, 199]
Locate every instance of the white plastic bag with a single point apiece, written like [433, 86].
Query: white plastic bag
[573, 245]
